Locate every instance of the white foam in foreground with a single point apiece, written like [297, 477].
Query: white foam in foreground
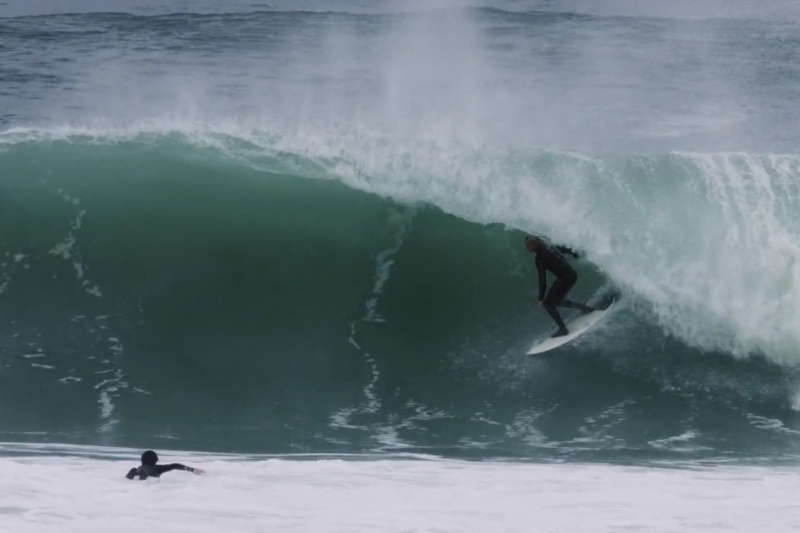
[88, 495]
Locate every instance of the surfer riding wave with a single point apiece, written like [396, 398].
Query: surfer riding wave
[550, 258]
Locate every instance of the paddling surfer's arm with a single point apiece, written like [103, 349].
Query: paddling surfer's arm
[178, 466]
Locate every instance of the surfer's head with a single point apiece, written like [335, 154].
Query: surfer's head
[532, 242]
[149, 458]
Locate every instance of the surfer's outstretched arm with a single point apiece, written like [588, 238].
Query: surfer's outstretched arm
[178, 466]
[147, 471]
[567, 250]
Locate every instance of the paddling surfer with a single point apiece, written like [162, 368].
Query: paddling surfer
[149, 467]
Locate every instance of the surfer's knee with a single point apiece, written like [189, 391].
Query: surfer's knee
[549, 303]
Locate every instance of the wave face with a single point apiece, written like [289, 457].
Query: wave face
[299, 228]
[155, 288]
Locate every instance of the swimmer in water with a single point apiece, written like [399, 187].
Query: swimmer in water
[149, 467]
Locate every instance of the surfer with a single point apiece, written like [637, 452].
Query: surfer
[149, 467]
[548, 257]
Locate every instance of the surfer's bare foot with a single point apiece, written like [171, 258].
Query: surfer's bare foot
[561, 333]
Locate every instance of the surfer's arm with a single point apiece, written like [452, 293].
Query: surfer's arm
[131, 473]
[542, 279]
[177, 466]
[567, 250]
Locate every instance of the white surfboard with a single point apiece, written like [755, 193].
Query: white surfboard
[577, 327]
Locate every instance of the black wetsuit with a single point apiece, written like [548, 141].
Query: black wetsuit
[549, 258]
[146, 471]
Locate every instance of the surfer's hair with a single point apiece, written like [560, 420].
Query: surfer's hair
[149, 458]
[534, 239]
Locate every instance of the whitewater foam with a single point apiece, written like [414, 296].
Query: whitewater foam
[327, 494]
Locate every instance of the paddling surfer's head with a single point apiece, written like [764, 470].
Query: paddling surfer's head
[149, 458]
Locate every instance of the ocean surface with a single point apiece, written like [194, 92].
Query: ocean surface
[295, 229]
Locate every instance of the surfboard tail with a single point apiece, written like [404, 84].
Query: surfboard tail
[577, 326]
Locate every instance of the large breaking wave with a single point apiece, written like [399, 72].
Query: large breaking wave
[275, 280]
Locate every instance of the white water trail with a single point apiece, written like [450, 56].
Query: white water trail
[401, 220]
[112, 379]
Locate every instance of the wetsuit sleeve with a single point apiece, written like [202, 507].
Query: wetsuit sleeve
[542, 276]
[568, 251]
[174, 466]
[131, 473]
